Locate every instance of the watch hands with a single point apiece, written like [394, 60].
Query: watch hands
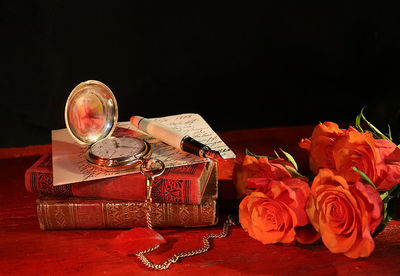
[116, 143]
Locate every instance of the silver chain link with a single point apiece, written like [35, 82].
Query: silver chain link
[177, 256]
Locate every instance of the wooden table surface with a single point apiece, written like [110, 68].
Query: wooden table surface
[27, 250]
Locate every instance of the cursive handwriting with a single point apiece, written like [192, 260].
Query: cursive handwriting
[195, 126]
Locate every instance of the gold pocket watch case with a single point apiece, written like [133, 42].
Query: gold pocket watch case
[91, 115]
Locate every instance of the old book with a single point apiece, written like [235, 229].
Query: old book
[185, 184]
[88, 213]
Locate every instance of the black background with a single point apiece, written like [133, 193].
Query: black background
[240, 65]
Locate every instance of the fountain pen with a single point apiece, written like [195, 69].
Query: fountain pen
[174, 138]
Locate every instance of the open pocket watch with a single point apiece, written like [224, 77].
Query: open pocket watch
[91, 115]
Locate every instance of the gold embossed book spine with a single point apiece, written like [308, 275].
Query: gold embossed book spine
[83, 213]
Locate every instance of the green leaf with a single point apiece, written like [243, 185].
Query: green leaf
[390, 133]
[384, 196]
[394, 192]
[290, 159]
[364, 177]
[295, 173]
[376, 131]
[248, 152]
[384, 210]
[390, 211]
[358, 123]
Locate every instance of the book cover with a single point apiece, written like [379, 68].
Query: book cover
[184, 184]
[56, 213]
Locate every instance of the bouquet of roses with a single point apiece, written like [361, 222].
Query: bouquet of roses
[348, 199]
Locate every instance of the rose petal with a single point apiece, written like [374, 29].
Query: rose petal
[305, 143]
[307, 234]
[373, 203]
[362, 247]
[312, 212]
[135, 240]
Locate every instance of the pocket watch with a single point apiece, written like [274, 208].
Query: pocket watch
[91, 115]
[118, 152]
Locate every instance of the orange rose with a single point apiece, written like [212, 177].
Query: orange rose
[389, 165]
[344, 214]
[262, 167]
[379, 159]
[320, 146]
[355, 149]
[271, 216]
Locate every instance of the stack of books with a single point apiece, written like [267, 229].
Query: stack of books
[183, 196]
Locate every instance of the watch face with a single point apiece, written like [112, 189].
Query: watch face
[117, 151]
